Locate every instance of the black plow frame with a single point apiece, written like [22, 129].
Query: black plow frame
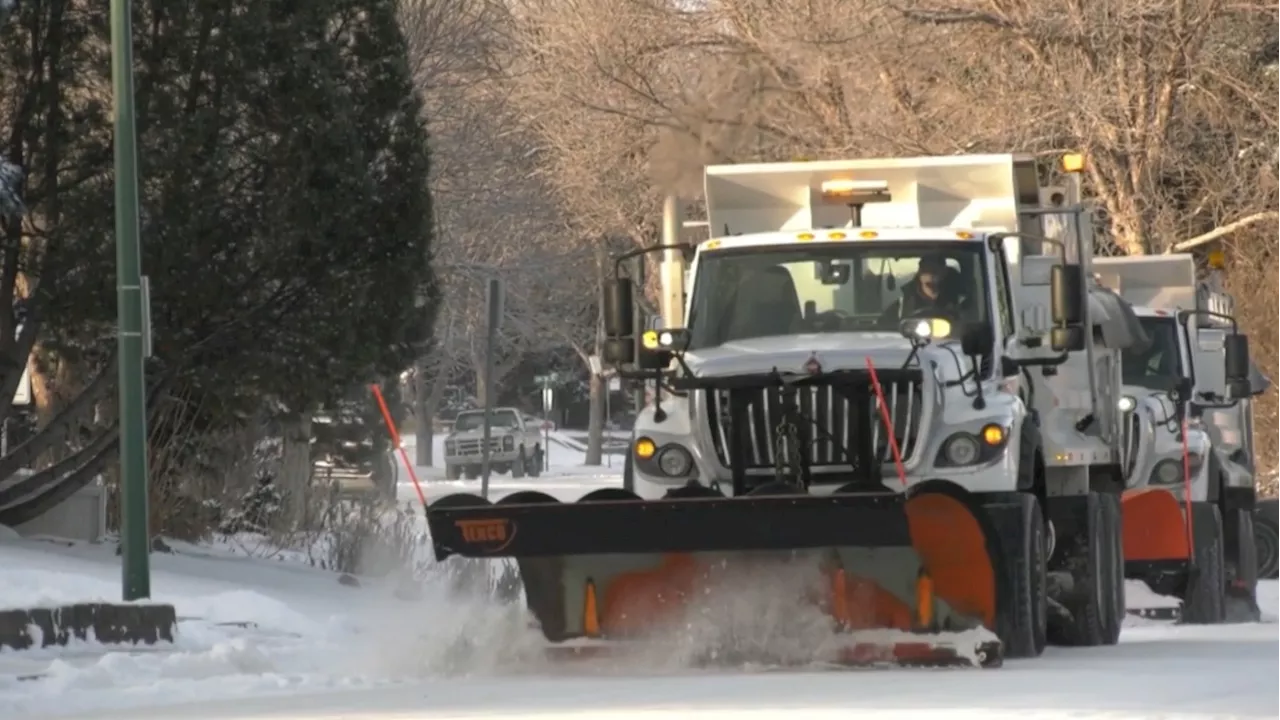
[538, 525]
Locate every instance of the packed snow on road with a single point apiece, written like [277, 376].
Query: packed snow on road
[262, 634]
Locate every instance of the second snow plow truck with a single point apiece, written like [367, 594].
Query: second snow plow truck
[884, 370]
[1187, 441]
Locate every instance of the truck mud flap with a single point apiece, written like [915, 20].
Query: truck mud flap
[899, 579]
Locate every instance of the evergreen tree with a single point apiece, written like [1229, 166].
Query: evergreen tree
[286, 223]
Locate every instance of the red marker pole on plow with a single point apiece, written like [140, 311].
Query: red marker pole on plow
[395, 440]
[888, 422]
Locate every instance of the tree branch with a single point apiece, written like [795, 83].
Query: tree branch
[1223, 230]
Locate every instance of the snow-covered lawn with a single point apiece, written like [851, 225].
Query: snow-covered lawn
[269, 637]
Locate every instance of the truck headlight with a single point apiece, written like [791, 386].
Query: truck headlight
[675, 461]
[508, 443]
[1126, 403]
[961, 449]
[964, 448]
[448, 446]
[1167, 472]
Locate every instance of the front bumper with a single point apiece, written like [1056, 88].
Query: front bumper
[506, 456]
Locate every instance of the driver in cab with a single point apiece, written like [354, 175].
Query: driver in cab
[931, 293]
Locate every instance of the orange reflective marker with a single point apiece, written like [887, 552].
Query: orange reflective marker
[839, 598]
[924, 599]
[590, 612]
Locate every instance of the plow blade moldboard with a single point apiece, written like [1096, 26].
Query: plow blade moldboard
[1155, 527]
[893, 579]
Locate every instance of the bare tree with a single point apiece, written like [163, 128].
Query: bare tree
[1149, 89]
[496, 217]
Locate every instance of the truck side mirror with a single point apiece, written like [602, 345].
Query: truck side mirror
[1066, 295]
[616, 306]
[1067, 339]
[1181, 390]
[619, 323]
[977, 339]
[618, 351]
[1236, 357]
[1066, 305]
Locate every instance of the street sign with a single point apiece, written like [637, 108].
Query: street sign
[22, 396]
[548, 399]
[615, 384]
[593, 361]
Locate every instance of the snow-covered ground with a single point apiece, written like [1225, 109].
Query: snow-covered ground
[262, 638]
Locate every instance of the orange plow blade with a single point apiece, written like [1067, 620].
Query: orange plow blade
[846, 579]
[1155, 527]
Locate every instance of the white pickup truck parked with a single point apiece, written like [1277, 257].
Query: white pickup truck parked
[515, 445]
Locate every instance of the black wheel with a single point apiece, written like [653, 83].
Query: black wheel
[629, 471]
[1266, 539]
[1115, 610]
[1204, 600]
[1089, 560]
[519, 464]
[1242, 571]
[535, 463]
[1022, 609]
[452, 472]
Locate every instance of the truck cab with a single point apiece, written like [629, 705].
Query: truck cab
[933, 271]
[515, 445]
[1157, 439]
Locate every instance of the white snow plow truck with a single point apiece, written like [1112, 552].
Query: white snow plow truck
[1187, 447]
[895, 373]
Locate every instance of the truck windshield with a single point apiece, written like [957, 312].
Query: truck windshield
[858, 286]
[474, 420]
[1159, 365]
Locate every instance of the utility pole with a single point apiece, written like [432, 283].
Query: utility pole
[131, 301]
[493, 298]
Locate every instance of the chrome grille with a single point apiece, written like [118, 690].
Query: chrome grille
[476, 447]
[837, 423]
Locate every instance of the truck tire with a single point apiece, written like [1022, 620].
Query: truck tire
[1242, 571]
[1089, 559]
[629, 472]
[518, 465]
[535, 463]
[1022, 610]
[452, 472]
[1116, 611]
[1204, 599]
[1266, 538]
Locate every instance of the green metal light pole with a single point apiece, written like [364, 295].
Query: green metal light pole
[134, 535]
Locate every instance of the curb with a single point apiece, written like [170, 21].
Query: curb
[108, 623]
